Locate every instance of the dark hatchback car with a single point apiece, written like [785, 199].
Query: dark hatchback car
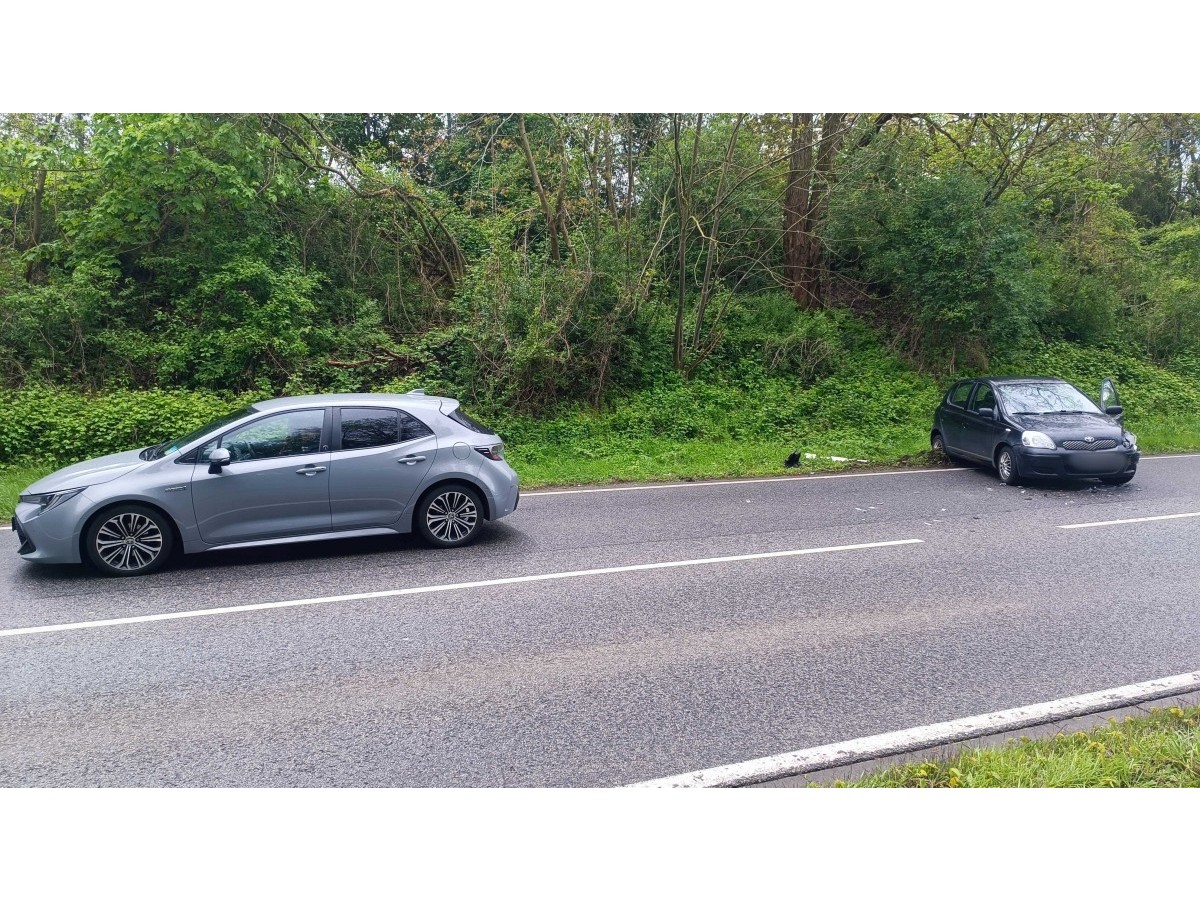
[1036, 428]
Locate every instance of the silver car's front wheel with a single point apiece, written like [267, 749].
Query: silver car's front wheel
[128, 540]
[449, 517]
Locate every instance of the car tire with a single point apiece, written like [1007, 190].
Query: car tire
[1119, 479]
[1006, 466]
[128, 540]
[449, 516]
[938, 444]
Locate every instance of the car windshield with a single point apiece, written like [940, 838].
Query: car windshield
[1033, 398]
[158, 451]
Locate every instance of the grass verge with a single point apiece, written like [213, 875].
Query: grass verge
[13, 480]
[1161, 749]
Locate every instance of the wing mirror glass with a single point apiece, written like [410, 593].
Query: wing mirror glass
[986, 412]
[217, 460]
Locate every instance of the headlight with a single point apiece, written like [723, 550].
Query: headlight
[1037, 439]
[1131, 440]
[49, 501]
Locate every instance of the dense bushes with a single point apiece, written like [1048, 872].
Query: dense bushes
[57, 426]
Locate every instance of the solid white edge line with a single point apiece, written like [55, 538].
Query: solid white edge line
[436, 588]
[1188, 515]
[923, 737]
[778, 478]
[781, 479]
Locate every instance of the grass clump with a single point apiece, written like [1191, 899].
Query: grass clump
[1158, 750]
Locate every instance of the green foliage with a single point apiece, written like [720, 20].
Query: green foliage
[958, 271]
[293, 253]
[55, 426]
[1158, 750]
[1172, 318]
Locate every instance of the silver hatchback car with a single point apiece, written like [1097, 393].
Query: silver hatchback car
[279, 471]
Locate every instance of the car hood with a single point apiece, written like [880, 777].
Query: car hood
[1072, 426]
[89, 472]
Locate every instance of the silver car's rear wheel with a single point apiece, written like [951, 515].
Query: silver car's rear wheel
[449, 517]
[129, 540]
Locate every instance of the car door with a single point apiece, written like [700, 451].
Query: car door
[275, 485]
[380, 457]
[983, 432]
[954, 416]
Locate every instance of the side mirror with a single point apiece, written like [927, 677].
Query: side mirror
[986, 412]
[1114, 410]
[217, 460]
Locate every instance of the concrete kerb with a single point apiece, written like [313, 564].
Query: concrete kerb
[929, 737]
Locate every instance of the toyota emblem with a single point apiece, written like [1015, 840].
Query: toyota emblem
[1089, 438]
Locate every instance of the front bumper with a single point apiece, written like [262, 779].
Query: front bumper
[1034, 462]
[52, 536]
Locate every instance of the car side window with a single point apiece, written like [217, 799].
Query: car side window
[291, 433]
[412, 428]
[985, 396]
[363, 428]
[959, 393]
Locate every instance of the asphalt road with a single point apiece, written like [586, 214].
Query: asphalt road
[606, 678]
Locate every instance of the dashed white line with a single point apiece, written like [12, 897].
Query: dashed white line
[828, 756]
[430, 589]
[1187, 515]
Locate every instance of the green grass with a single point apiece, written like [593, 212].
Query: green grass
[658, 459]
[1158, 750]
[1180, 434]
[13, 480]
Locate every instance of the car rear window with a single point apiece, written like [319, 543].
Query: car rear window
[467, 422]
[363, 428]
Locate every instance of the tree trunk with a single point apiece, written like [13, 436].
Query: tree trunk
[541, 191]
[33, 271]
[805, 203]
[796, 211]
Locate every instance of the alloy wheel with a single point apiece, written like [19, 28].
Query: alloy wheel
[129, 542]
[451, 516]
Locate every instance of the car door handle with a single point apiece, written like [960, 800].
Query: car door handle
[310, 471]
[411, 460]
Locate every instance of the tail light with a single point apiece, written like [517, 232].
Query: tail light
[495, 451]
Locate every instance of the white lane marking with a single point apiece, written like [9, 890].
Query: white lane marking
[1130, 521]
[435, 588]
[923, 737]
[1173, 456]
[778, 479]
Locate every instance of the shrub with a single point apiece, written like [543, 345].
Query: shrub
[57, 426]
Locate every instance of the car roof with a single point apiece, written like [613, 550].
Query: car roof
[1013, 379]
[429, 401]
[1021, 379]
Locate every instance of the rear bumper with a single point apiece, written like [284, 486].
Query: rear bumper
[1033, 462]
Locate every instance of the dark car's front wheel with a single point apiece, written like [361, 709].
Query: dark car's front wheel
[449, 516]
[129, 540]
[1006, 466]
